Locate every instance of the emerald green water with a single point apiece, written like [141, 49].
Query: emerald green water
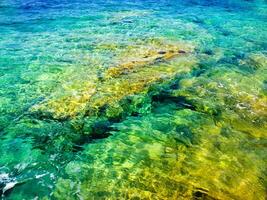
[133, 99]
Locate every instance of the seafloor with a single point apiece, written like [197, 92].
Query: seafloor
[133, 99]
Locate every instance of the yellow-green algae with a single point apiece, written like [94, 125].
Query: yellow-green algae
[215, 150]
[139, 66]
[168, 155]
[240, 99]
[199, 133]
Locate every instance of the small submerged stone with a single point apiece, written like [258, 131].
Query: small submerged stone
[8, 186]
[6, 183]
[181, 51]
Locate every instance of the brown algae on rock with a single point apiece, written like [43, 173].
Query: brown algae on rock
[136, 57]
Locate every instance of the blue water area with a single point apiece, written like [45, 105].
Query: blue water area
[134, 99]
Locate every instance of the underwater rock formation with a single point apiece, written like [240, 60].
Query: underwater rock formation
[133, 100]
[172, 155]
[215, 150]
[196, 137]
[229, 94]
[147, 63]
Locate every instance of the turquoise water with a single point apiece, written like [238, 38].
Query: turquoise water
[133, 99]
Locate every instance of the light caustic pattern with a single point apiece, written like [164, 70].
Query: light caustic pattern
[133, 99]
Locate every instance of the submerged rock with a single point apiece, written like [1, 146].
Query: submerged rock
[257, 61]
[141, 65]
[139, 161]
[230, 95]
[151, 54]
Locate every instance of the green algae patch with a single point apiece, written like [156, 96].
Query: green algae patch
[133, 100]
[214, 150]
[231, 95]
[141, 65]
[193, 157]
[257, 61]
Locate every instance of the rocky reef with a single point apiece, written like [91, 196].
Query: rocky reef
[176, 154]
[236, 97]
[133, 100]
[140, 66]
[203, 138]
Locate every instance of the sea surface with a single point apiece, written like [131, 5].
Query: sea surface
[133, 99]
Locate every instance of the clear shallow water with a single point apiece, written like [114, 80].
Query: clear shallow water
[133, 99]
